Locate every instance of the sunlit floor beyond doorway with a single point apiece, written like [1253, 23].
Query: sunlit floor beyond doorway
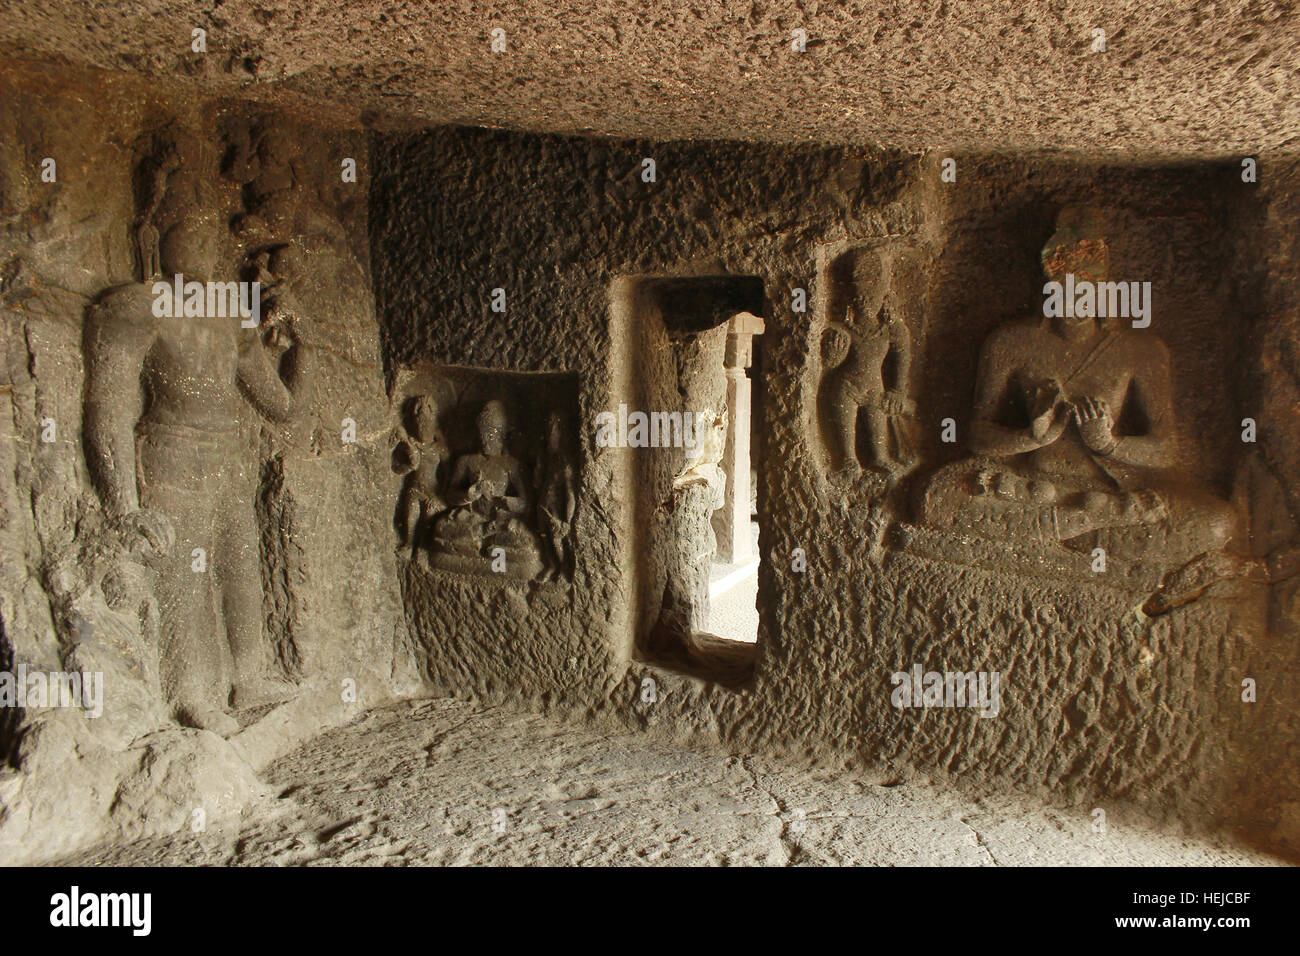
[733, 594]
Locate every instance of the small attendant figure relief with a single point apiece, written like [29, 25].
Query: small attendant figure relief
[856, 353]
[421, 457]
[557, 501]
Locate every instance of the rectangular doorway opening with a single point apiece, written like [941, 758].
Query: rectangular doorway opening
[693, 354]
[733, 579]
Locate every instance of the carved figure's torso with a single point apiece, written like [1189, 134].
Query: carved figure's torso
[1099, 366]
[493, 473]
[861, 368]
[190, 374]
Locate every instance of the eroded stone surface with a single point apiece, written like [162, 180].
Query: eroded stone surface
[405, 428]
[1091, 683]
[443, 782]
[169, 513]
[1173, 80]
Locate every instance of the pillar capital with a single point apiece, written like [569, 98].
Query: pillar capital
[741, 329]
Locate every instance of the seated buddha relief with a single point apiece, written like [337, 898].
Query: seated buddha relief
[1074, 434]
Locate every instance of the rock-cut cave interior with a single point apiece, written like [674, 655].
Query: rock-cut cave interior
[617, 433]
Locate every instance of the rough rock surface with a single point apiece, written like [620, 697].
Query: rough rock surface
[1097, 700]
[72, 596]
[390, 276]
[443, 782]
[72, 792]
[1175, 79]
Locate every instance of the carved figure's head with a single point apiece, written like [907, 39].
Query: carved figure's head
[425, 415]
[180, 149]
[861, 277]
[190, 246]
[1078, 246]
[492, 424]
[275, 147]
[187, 232]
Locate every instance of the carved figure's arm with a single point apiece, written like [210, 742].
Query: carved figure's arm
[570, 496]
[523, 495]
[457, 493]
[279, 399]
[987, 436]
[116, 346]
[1153, 387]
[901, 343]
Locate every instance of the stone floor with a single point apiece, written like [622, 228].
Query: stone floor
[447, 782]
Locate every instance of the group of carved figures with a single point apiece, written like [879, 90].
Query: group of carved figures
[1052, 462]
[167, 423]
[1073, 432]
[481, 512]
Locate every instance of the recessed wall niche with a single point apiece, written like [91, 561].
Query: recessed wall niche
[488, 462]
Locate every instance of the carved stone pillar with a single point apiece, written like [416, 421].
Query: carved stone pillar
[731, 521]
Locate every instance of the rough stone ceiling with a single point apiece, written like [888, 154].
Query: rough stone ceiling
[1178, 78]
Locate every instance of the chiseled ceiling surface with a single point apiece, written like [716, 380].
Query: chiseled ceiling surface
[1178, 78]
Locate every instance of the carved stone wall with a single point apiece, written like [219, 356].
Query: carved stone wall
[86, 590]
[1107, 693]
[557, 223]
[426, 325]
